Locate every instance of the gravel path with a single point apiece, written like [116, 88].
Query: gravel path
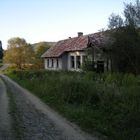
[35, 120]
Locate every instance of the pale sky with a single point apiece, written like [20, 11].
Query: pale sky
[53, 20]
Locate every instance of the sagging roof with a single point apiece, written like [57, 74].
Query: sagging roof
[74, 44]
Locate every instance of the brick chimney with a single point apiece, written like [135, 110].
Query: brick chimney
[80, 34]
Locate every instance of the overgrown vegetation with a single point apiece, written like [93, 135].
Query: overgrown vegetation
[125, 33]
[107, 103]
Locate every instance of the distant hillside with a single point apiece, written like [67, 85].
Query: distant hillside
[51, 43]
[44, 43]
[47, 45]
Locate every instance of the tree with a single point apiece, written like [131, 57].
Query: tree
[39, 49]
[19, 52]
[1, 50]
[132, 14]
[115, 21]
[126, 39]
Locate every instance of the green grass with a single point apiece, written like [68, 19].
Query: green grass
[107, 103]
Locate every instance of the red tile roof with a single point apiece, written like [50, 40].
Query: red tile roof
[73, 44]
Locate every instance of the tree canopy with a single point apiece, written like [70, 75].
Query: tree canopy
[19, 52]
[125, 33]
[39, 49]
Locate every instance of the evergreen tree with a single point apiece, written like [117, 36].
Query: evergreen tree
[1, 50]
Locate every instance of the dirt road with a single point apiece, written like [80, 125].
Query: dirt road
[24, 117]
[5, 122]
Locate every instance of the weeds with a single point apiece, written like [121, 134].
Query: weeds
[108, 103]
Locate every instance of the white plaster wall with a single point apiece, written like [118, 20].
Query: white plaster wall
[60, 63]
[77, 53]
[45, 63]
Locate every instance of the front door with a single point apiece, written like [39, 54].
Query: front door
[100, 66]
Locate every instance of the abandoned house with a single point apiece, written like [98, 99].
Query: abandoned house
[70, 54]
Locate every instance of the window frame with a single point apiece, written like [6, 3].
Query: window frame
[52, 63]
[57, 63]
[48, 63]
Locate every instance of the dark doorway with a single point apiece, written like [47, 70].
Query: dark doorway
[100, 66]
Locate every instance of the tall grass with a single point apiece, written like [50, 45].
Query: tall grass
[108, 103]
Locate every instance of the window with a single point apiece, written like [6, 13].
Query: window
[48, 63]
[78, 62]
[72, 61]
[57, 63]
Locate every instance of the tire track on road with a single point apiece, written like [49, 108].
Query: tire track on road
[5, 120]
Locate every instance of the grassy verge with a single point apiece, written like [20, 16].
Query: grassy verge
[107, 103]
